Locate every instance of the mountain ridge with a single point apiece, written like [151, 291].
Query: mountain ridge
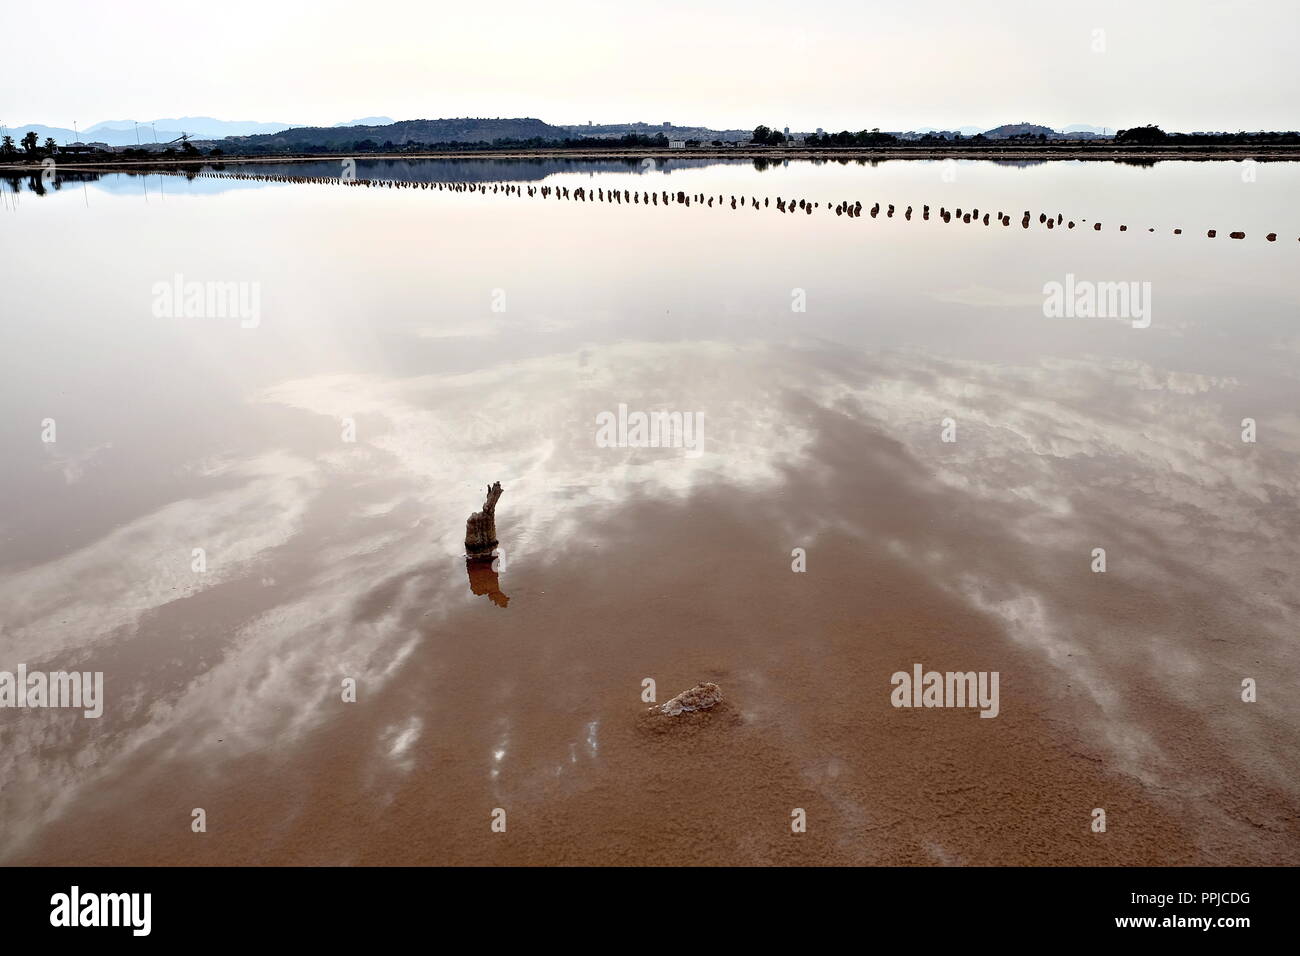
[383, 129]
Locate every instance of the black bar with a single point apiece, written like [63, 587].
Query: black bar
[980, 906]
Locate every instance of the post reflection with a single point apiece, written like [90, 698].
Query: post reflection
[484, 580]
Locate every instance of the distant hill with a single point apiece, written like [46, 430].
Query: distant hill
[1018, 129]
[381, 130]
[964, 130]
[366, 121]
[123, 132]
[615, 130]
[462, 130]
[204, 127]
[61, 136]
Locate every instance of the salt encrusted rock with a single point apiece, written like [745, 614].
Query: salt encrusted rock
[700, 697]
[481, 528]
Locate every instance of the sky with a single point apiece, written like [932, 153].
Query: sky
[838, 64]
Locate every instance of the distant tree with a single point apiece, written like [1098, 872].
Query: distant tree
[762, 135]
[7, 147]
[873, 137]
[50, 145]
[1141, 135]
[215, 151]
[29, 141]
[189, 149]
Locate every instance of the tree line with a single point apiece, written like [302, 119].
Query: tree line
[1138, 136]
[30, 144]
[1155, 136]
[29, 147]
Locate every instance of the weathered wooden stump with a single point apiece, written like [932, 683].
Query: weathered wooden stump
[481, 528]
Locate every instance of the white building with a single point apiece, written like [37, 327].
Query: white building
[677, 144]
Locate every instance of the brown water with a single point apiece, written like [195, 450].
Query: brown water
[465, 338]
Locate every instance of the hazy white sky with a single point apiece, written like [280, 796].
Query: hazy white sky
[1184, 64]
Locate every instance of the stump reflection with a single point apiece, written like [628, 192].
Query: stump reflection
[483, 579]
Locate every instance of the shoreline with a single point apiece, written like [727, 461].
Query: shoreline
[1108, 153]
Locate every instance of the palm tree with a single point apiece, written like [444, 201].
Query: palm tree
[7, 147]
[50, 145]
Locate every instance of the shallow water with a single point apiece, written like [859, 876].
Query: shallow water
[405, 347]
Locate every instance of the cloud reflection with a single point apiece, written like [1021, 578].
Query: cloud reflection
[1051, 448]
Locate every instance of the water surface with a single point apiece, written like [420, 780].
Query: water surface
[413, 345]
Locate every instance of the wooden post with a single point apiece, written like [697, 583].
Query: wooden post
[481, 528]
